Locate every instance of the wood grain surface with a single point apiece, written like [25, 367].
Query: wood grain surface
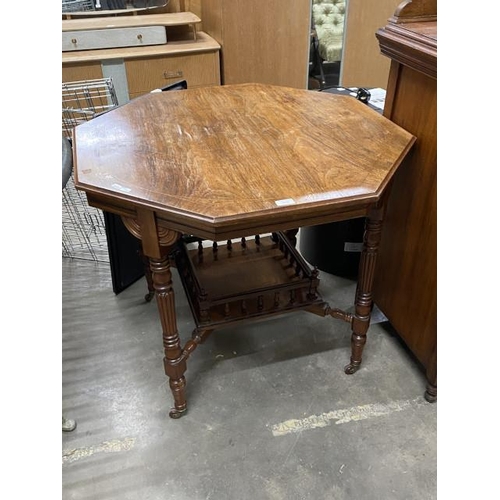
[222, 155]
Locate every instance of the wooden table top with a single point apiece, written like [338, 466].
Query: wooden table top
[238, 157]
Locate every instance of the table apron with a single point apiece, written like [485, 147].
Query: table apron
[238, 229]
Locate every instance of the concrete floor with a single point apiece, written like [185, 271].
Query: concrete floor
[271, 413]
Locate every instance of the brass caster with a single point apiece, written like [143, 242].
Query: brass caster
[149, 296]
[351, 369]
[174, 413]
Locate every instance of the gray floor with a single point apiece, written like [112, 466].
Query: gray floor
[271, 413]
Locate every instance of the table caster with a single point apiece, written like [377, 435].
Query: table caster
[174, 413]
[351, 368]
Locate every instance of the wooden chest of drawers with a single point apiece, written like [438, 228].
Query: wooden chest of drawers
[138, 70]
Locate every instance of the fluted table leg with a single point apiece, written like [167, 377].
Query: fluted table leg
[156, 245]
[174, 364]
[363, 301]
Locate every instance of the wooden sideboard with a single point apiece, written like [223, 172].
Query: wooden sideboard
[405, 280]
[138, 70]
[263, 41]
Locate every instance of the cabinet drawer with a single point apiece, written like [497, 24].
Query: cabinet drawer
[81, 71]
[144, 75]
[113, 37]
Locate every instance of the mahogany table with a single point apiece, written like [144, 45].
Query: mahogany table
[229, 163]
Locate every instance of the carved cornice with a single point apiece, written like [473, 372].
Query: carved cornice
[410, 37]
[410, 11]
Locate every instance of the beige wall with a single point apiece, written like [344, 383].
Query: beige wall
[262, 42]
[362, 64]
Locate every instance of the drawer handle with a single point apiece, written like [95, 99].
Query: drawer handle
[73, 41]
[172, 74]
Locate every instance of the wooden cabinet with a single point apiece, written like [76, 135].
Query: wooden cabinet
[263, 41]
[144, 74]
[81, 71]
[138, 70]
[405, 281]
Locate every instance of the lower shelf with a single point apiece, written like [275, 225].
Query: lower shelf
[245, 280]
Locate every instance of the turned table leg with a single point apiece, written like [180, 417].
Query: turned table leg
[363, 301]
[156, 244]
[174, 362]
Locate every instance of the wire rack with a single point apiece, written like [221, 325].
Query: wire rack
[83, 226]
[83, 100]
[77, 5]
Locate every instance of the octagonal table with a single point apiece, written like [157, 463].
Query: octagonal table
[230, 162]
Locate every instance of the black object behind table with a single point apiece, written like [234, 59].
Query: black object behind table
[335, 248]
[124, 251]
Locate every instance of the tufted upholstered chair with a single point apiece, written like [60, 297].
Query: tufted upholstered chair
[327, 20]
